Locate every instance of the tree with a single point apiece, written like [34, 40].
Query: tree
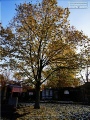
[85, 61]
[2, 80]
[63, 78]
[36, 40]
[17, 76]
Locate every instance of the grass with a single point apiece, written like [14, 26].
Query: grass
[49, 111]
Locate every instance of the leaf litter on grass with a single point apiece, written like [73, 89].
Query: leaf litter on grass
[55, 112]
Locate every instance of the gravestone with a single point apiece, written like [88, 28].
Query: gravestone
[13, 101]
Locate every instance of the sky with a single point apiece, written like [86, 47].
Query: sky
[78, 17]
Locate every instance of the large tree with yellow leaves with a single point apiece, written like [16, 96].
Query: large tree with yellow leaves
[39, 36]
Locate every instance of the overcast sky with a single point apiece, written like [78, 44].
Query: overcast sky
[80, 18]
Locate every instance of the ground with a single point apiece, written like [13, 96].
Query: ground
[48, 111]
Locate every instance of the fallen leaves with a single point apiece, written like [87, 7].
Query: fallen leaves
[54, 112]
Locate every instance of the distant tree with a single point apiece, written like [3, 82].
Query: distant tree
[37, 39]
[3, 83]
[84, 70]
[5, 79]
[63, 78]
[2, 80]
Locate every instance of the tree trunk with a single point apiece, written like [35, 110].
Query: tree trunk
[37, 94]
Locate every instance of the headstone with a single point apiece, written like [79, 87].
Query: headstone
[13, 101]
[66, 92]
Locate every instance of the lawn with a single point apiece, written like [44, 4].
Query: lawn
[49, 111]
